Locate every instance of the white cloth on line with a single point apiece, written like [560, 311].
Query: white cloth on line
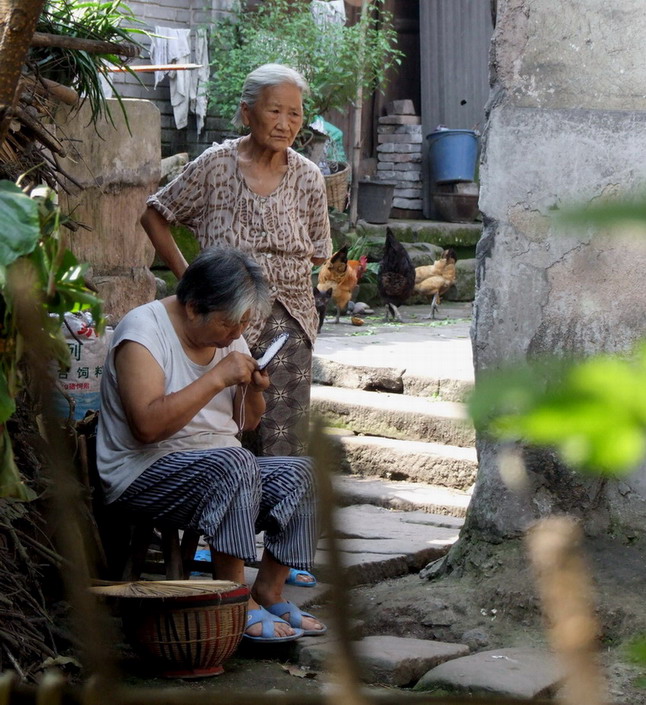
[172, 46]
[324, 12]
[199, 78]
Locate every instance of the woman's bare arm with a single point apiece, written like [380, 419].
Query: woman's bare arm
[154, 415]
[158, 230]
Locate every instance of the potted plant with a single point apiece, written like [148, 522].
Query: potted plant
[336, 60]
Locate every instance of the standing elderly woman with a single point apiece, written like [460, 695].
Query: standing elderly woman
[179, 385]
[259, 195]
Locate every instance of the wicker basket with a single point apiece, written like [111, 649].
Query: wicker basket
[182, 628]
[336, 185]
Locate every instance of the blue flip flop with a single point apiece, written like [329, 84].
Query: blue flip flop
[295, 619]
[268, 620]
[292, 578]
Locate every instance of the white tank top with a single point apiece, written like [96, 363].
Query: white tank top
[121, 458]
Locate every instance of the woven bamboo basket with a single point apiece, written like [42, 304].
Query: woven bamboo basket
[181, 628]
[336, 185]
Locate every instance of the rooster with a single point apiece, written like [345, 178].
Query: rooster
[341, 276]
[396, 276]
[437, 278]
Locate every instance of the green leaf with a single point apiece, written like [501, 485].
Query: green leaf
[7, 404]
[19, 223]
[11, 484]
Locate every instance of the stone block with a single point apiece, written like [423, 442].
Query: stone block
[125, 154]
[409, 192]
[389, 659]
[415, 157]
[123, 290]
[390, 147]
[400, 120]
[400, 139]
[400, 107]
[408, 203]
[116, 238]
[399, 129]
[514, 673]
[400, 166]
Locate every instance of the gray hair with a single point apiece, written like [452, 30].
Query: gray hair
[263, 77]
[226, 280]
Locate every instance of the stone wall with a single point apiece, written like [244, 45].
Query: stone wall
[114, 169]
[566, 124]
[177, 14]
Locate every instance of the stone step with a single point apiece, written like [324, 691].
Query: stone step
[420, 358]
[390, 660]
[435, 232]
[394, 415]
[413, 461]
[390, 379]
[403, 496]
[524, 673]
[377, 543]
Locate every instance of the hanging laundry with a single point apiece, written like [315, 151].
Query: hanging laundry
[324, 12]
[199, 78]
[172, 46]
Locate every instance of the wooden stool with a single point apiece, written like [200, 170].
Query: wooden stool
[178, 554]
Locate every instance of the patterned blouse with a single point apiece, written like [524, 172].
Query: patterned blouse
[282, 231]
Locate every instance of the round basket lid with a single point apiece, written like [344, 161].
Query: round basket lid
[165, 588]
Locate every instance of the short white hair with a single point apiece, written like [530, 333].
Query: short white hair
[263, 77]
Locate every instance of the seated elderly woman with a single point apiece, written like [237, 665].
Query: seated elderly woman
[179, 385]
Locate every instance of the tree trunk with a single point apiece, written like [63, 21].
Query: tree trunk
[17, 23]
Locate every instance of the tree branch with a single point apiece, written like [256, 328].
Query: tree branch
[92, 46]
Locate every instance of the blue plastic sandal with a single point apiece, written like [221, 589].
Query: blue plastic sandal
[268, 620]
[292, 578]
[295, 618]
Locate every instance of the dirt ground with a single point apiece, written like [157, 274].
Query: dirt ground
[493, 606]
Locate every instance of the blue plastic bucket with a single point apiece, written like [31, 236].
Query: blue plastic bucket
[452, 155]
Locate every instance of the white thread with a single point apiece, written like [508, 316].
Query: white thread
[242, 409]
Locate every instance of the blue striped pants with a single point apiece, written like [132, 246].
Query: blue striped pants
[229, 495]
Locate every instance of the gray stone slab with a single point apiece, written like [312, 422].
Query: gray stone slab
[515, 672]
[420, 357]
[400, 495]
[367, 521]
[431, 464]
[387, 659]
[378, 544]
[400, 120]
[394, 416]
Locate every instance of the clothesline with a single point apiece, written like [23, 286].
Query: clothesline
[156, 67]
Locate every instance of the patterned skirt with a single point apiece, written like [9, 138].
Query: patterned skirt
[283, 430]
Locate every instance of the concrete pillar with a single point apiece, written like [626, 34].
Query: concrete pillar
[116, 168]
[567, 124]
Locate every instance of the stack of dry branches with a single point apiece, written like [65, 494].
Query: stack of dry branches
[31, 147]
[26, 557]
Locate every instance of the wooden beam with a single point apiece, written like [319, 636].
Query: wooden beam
[92, 46]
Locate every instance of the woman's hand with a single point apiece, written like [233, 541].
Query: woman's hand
[259, 381]
[236, 368]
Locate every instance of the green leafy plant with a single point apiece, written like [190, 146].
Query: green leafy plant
[335, 60]
[37, 274]
[102, 21]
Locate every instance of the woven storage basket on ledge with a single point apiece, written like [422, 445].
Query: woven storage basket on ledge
[336, 185]
[182, 628]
